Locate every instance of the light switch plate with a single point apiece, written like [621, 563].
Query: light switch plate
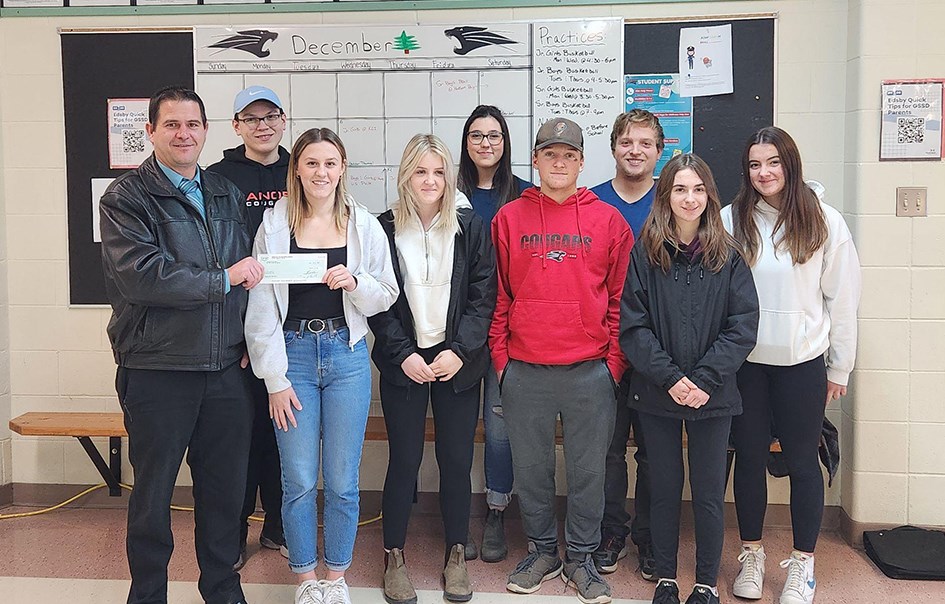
[911, 201]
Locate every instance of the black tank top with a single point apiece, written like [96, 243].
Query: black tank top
[316, 300]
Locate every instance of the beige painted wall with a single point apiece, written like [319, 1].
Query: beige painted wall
[894, 454]
[6, 443]
[832, 55]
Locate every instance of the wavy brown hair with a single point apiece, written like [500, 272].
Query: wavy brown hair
[299, 207]
[800, 214]
[660, 227]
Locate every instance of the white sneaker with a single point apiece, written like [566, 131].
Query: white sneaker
[335, 592]
[800, 584]
[751, 578]
[309, 592]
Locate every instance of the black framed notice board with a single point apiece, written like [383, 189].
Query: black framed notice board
[722, 123]
[95, 67]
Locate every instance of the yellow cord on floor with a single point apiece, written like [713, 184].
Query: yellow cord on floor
[179, 508]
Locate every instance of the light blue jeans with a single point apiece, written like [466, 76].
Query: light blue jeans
[333, 384]
[498, 452]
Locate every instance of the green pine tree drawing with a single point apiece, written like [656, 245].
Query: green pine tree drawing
[405, 43]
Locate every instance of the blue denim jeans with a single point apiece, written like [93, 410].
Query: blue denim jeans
[333, 383]
[498, 453]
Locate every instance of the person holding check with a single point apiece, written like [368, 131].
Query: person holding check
[306, 340]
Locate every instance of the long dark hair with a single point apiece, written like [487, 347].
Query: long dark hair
[805, 227]
[503, 183]
[660, 226]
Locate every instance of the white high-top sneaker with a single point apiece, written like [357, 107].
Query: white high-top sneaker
[800, 585]
[751, 578]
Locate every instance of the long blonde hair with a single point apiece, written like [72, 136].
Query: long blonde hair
[405, 210]
[300, 207]
[660, 226]
[805, 226]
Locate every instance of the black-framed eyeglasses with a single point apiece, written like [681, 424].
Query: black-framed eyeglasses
[253, 122]
[494, 138]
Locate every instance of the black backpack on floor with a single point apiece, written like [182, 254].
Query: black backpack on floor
[907, 552]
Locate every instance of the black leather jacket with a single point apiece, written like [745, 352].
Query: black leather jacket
[471, 304]
[164, 271]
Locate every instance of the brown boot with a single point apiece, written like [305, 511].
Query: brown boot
[456, 586]
[397, 586]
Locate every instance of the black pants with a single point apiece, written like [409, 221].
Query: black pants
[793, 398]
[615, 477]
[208, 414]
[455, 416]
[264, 472]
[707, 447]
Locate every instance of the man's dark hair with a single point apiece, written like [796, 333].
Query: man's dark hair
[174, 93]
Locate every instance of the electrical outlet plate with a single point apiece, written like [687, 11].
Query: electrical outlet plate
[911, 201]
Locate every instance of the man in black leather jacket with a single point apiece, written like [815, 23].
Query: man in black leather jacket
[176, 256]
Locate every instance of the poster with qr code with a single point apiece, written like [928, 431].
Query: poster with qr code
[912, 120]
[128, 143]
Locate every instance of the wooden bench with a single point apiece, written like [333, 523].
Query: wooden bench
[82, 426]
[85, 426]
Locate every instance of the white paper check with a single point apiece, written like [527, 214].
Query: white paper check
[294, 268]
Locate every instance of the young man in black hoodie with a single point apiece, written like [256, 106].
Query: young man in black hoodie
[260, 165]
[259, 168]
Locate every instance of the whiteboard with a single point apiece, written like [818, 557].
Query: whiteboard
[377, 86]
[578, 75]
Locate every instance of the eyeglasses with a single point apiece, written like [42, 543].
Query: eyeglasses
[494, 138]
[253, 122]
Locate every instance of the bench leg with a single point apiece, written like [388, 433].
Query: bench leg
[114, 462]
[108, 473]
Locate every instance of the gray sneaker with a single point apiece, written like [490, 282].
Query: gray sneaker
[534, 570]
[591, 587]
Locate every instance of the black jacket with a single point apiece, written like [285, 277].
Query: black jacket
[164, 271]
[262, 185]
[471, 304]
[687, 322]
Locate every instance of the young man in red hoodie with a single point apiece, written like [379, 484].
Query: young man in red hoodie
[561, 260]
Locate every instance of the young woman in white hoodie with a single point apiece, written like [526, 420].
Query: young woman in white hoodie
[307, 341]
[807, 275]
[430, 347]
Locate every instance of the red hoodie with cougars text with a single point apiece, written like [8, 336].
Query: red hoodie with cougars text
[561, 270]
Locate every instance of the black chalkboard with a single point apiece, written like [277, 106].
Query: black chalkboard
[96, 67]
[721, 124]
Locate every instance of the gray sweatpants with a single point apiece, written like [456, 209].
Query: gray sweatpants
[532, 398]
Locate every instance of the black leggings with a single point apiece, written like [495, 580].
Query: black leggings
[793, 398]
[455, 416]
[707, 448]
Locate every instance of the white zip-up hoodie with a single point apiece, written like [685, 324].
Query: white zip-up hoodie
[806, 309]
[368, 260]
[426, 264]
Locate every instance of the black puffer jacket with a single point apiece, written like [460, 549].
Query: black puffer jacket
[471, 304]
[164, 271]
[687, 322]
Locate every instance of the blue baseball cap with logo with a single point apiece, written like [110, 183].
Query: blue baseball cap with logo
[252, 94]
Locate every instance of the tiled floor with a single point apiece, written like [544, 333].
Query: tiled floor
[77, 555]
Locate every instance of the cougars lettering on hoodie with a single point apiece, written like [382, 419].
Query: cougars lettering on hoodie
[561, 271]
[263, 185]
